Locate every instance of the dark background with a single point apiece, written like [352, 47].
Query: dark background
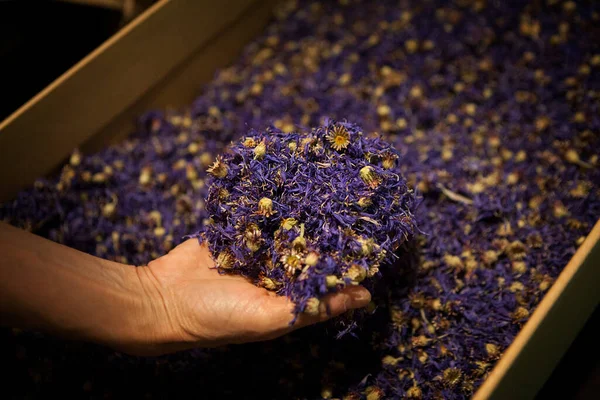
[40, 40]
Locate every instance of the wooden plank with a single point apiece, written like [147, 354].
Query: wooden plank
[182, 85]
[40, 134]
[530, 359]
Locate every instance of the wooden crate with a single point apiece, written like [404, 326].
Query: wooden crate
[159, 60]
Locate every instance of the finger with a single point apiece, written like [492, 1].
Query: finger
[335, 304]
[281, 310]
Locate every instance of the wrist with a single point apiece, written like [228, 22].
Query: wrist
[117, 318]
[146, 326]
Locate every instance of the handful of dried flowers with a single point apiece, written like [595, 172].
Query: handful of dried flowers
[304, 214]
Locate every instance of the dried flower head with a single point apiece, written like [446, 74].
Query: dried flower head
[218, 169]
[268, 283]
[414, 392]
[364, 202]
[145, 177]
[369, 176]
[299, 244]
[492, 349]
[374, 393]
[516, 250]
[292, 261]
[311, 259]
[225, 260]
[249, 142]
[288, 223]
[339, 137]
[367, 246]
[356, 273]
[253, 237]
[451, 377]
[389, 160]
[265, 207]
[332, 281]
[312, 306]
[520, 313]
[260, 150]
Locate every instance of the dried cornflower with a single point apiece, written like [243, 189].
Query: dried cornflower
[291, 262]
[75, 159]
[268, 283]
[534, 240]
[559, 210]
[369, 176]
[288, 223]
[356, 273]
[218, 169]
[389, 160]
[390, 360]
[492, 349]
[516, 287]
[451, 377]
[365, 202]
[326, 393]
[260, 150]
[414, 392]
[420, 341]
[374, 393]
[311, 259]
[332, 281]
[520, 313]
[367, 246]
[225, 260]
[265, 207]
[489, 257]
[145, 176]
[312, 306]
[253, 237]
[338, 137]
[193, 148]
[453, 261]
[516, 250]
[519, 267]
[110, 208]
[249, 142]
[206, 159]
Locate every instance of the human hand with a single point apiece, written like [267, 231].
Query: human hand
[189, 304]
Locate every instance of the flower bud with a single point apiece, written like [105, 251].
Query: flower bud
[260, 150]
[356, 273]
[331, 281]
[265, 207]
[311, 259]
[370, 177]
[312, 306]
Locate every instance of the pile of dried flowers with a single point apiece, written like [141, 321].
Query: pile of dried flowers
[305, 214]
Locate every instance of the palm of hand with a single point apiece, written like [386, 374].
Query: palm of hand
[197, 306]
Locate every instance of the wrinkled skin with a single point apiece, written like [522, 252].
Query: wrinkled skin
[195, 306]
